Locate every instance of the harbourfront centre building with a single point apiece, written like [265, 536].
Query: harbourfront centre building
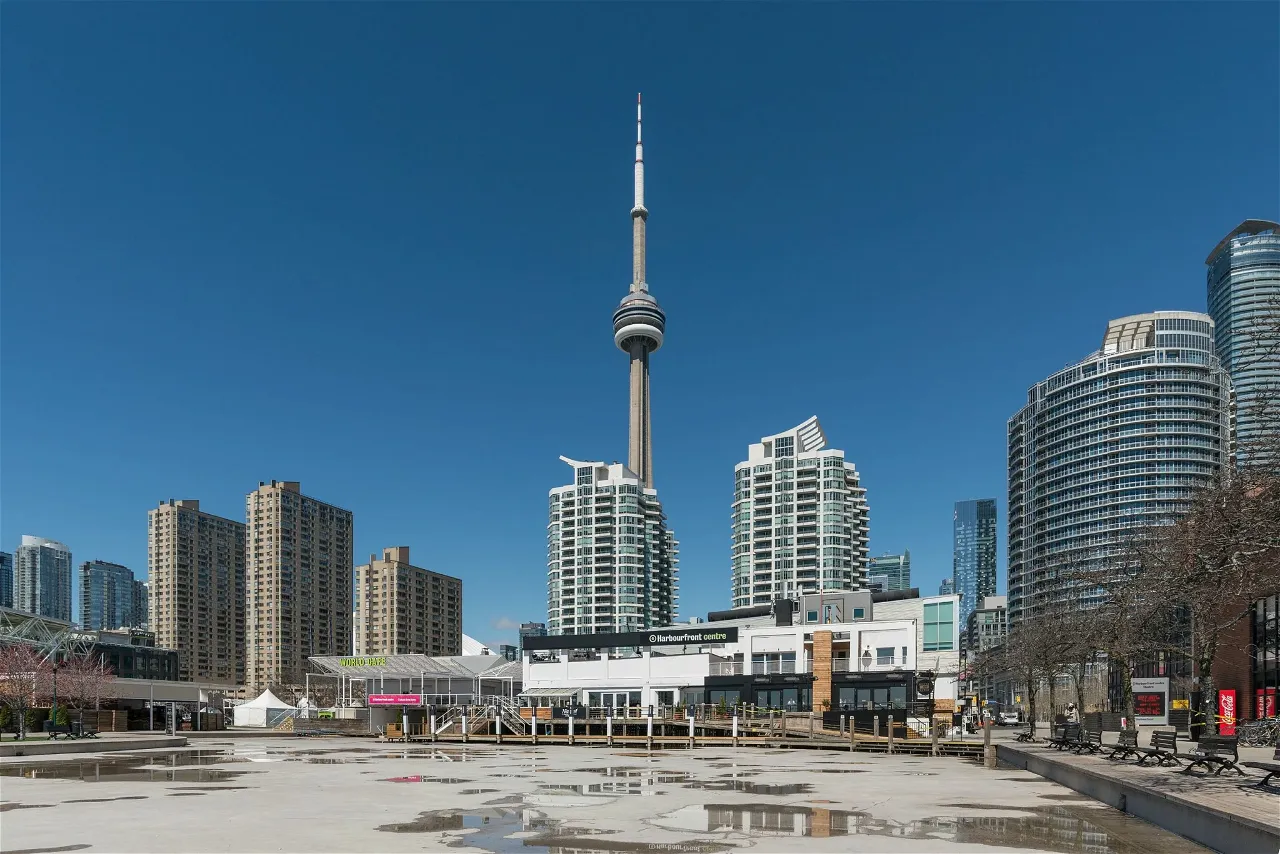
[822, 651]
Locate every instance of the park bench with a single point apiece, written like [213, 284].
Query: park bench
[1026, 735]
[54, 730]
[1065, 736]
[1089, 742]
[1126, 745]
[1216, 753]
[79, 730]
[1163, 749]
[1272, 768]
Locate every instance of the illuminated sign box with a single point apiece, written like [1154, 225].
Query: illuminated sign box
[395, 700]
[1151, 701]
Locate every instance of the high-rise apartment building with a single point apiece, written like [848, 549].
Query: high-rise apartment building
[42, 578]
[611, 559]
[106, 596]
[298, 574]
[1114, 443]
[974, 553]
[947, 587]
[6, 580]
[196, 584]
[404, 609]
[531, 630]
[800, 519]
[1244, 302]
[890, 572]
[142, 605]
[612, 562]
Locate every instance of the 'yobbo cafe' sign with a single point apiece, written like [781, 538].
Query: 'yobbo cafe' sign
[363, 662]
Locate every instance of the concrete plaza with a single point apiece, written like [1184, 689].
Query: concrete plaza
[333, 794]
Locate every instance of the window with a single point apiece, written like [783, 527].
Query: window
[811, 616]
[939, 626]
[859, 613]
[884, 655]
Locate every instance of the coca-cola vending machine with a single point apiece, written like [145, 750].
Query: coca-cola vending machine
[1227, 712]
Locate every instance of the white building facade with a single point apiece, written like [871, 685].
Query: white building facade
[612, 563]
[827, 652]
[800, 519]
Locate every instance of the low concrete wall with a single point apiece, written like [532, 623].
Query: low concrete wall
[1214, 828]
[88, 745]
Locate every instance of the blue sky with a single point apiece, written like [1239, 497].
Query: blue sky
[376, 247]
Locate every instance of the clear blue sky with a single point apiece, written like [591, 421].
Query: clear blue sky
[376, 247]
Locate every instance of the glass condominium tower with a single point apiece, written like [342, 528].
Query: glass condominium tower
[974, 553]
[800, 519]
[1111, 444]
[1244, 301]
[612, 563]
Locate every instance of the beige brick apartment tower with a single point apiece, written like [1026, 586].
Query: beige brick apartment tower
[298, 557]
[402, 609]
[195, 563]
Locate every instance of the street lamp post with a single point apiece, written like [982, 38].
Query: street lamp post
[53, 713]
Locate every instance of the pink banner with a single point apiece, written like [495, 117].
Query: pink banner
[395, 700]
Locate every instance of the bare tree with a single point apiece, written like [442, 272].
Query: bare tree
[84, 681]
[24, 681]
[1222, 557]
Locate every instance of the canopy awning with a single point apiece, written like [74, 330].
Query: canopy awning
[549, 692]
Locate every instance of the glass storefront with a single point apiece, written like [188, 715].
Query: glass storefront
[872, 697]
[790, 699]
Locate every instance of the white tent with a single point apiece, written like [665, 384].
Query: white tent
[257, 712]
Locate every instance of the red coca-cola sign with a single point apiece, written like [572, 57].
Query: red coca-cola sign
[1227, 712]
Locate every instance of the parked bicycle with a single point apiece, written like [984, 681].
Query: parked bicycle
[1260, 733]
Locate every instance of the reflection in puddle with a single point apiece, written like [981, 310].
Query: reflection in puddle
[418, 778]
[143, 770]
[1061, 829]
[106, 800]
[753, 788]
[491, 830]
[630, 787]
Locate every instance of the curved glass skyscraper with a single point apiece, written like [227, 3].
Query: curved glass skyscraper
[1115, 442]
[1244, 302]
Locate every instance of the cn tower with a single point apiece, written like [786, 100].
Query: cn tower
[638, 324]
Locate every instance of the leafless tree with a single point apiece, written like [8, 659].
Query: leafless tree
[84, 681]
[1221, 558]
[25, 681]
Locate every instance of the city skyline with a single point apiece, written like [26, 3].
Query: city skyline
[792, 191]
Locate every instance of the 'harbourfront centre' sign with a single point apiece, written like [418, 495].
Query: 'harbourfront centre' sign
[660, 637]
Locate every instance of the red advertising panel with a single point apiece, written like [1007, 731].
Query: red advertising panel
[395, 700]
[1227, 712]
[1266, 702]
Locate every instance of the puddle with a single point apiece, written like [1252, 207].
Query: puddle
[477, 791]
[185, 795]
[418, 778]
[137, 770]
[211, 788]
[839, 770]
[60, 848]
[106, 800]
[12, 806]
[333, 760]
[629, 787]
[751, 788]
[491, 830]
[1059, 829]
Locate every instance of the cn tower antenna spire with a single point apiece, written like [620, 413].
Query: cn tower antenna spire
[639, 214]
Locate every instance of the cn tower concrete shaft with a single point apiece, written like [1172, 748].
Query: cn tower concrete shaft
[640, 448]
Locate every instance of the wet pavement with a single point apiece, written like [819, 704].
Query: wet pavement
[280, 795]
